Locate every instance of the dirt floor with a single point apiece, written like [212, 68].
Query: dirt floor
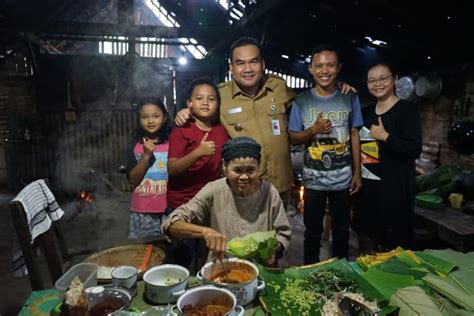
[104, 225]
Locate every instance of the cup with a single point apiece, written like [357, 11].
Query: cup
[125, 276]
[455, 199]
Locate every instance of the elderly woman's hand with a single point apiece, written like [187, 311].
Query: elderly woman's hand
[272, 261]
[215, 241]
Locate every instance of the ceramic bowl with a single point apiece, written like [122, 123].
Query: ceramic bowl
[108, 301]
[245, 292]
[209, 294]
[165, 283]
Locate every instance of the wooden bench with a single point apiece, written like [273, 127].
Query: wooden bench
[448, 224]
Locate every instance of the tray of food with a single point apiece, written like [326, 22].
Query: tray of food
[310, 290]
[129, 255]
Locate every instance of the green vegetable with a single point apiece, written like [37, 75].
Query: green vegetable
[282, 285]
[442, 175]
[327, 282]
[297, 293]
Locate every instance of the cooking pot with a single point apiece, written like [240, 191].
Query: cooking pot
[209, 294]
[244, 291]
[165, 283]
[405, 88]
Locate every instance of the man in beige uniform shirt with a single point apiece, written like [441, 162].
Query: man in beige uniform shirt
[255, 105]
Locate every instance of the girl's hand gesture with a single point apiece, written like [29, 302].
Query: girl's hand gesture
[148, 147]
[378, 131]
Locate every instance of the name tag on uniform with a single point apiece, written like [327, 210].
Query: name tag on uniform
[276, 127]
[235, 110]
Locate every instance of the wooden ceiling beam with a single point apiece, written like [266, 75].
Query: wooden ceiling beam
[103, 29]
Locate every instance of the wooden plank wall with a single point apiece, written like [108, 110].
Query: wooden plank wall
[62, 151]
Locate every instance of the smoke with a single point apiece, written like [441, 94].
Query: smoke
[103, 90]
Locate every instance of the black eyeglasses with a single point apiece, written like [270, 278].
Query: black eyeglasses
[382, 80]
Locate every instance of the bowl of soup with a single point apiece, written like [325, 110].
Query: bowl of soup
[165, 283]
[237, 275]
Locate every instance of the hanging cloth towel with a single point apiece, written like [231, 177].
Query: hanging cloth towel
[41, 209]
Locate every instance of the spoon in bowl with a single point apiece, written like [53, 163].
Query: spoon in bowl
[227, 279]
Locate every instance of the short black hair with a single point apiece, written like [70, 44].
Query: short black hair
[200, 82]
[385, 63]
[164, 132]
[328, 47]
[244, 41]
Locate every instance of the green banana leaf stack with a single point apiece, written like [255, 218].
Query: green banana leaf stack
[256, 247]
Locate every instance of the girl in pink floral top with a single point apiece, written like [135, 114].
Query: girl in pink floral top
[147, 158]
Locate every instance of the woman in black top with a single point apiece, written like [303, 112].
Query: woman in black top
[390, 143]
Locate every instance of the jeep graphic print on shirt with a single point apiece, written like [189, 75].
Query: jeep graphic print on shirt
[328, 157]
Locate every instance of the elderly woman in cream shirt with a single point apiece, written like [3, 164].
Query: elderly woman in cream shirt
[233, 206]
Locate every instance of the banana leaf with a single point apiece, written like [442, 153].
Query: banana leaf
[367, 261]
[463, 276]
[441, 266]
[465, 260]
[258, 246]
[456, 295]
[277, 281]
[446, 307]
[463, 279]
[410, 259]
[395, 266]
[413, 301]
[387, 283]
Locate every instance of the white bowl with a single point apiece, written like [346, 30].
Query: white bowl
[245, 291]
[165, 283]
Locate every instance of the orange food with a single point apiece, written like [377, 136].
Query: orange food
[205, 310]
[232, 276]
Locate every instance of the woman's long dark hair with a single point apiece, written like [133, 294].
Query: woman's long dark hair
[164, 131]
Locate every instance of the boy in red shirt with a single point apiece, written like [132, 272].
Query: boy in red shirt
[194, 157]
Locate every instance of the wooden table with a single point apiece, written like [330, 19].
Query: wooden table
[448, 224]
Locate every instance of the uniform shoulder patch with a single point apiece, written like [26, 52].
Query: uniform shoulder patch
[223, 84]
[275, 77]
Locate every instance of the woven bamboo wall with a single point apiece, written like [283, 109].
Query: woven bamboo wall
[62, 151]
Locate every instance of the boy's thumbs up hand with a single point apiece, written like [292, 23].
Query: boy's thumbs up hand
[321, 126]
[206, 148]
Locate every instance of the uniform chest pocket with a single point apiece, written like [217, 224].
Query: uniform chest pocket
[276, 109]
[235, 118]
